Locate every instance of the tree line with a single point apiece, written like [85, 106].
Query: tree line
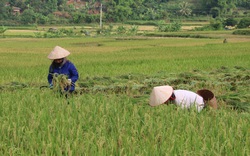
[88, 11]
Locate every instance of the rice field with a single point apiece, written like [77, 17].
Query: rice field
[110, 114]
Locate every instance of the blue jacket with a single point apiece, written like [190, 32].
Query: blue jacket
[67, 68]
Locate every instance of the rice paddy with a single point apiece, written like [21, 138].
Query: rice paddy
[109, 114]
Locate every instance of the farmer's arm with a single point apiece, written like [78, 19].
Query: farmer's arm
[73, 76]
[73, 73]
[50, 77]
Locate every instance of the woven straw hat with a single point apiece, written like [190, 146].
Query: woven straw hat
[58, 53]
[208, 97]
[160, 94]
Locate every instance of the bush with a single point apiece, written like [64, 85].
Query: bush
[91, 18]
[241, 32]
[173, 27]
[215, 12]
[105, 30]
[177, 35]
[55, 33]
[230, 22]
[141, 23]
[216, 24]
[28, 17]
[121, 30]
[244, 23]
[87, 33]
[9, 22]
[133, 30]
[2, 30]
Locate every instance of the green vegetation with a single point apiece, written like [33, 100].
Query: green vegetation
[47, 12]
[2, 30]
[110, 114]
[244, 23]
[187, 44]
[241, 32]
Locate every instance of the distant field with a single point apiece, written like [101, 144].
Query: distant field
[112, 115]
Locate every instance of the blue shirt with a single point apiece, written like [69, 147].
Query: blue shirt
[68, 69]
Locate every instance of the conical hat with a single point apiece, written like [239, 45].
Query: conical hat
[160, 94]
[57, 53]
[208, 97]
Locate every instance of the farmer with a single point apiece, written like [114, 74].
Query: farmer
[183, 98]
[60, 65]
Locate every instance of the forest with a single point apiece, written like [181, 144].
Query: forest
[46, 12]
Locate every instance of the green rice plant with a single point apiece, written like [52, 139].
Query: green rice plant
[2, 30]
[112, 116]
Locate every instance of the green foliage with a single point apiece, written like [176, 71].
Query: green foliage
[121, 29]
[105, 30]
[28, 17]
[9, 22]
[117, 11]
[241, 32]
[133, 30]
[230, 22]
[2, 30]
[244, 23]
[55, 33]
[86, 32]
[218, 8]
[91, 18]
[179, 35]
[77, 17]
[185, 9]
[204, 28]
[215, 24]
[5, 14]
[172, 27]
[41, 19]
[215, 12]
[154, 23]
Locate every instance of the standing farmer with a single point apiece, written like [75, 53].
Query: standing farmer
[60, 65]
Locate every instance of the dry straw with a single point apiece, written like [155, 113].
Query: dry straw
[60, 82]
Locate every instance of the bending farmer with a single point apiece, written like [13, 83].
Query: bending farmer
[60, 65]
[184, 98]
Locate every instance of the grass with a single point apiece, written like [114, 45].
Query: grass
[39, 122]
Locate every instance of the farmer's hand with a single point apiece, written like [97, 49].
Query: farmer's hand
[70, 81]
[51, 86]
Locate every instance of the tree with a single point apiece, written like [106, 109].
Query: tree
[12, 2]
[244, 23]
[215, 12]
[224, 6]
[185, 9]
[3, 10]
[118, 10]
[28, 16]
[243, 3]
[51, 5]
[230, 22]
